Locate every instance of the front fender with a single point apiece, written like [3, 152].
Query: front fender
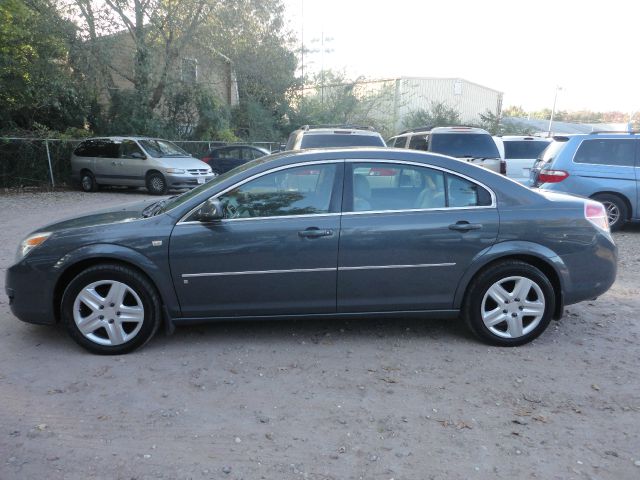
[513, 249]
[157, 271]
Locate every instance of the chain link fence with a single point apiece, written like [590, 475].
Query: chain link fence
[46, 162]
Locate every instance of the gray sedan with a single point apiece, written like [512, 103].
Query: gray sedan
[320, 233]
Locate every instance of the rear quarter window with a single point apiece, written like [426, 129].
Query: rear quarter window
[607, 151]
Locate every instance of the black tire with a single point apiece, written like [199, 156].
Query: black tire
[132, 279]
[478, 300]
[88, 181]
[157, 184]
[617, 211]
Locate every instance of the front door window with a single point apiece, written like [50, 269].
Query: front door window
[302, 190]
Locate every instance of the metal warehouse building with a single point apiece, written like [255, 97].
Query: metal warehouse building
[468, 98]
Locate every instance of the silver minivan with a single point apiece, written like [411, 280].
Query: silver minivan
[157, 164]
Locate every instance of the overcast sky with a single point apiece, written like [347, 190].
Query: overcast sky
[524, 49]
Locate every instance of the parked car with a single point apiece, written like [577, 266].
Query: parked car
[308, 234]
[223, 159]
[157, 164]
[599, 165]
[471, 144]
[415, 139]
[324, 136]
[520, 153]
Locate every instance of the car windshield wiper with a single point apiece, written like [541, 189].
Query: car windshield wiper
[156, 207]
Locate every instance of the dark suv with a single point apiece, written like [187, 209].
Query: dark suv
[599, 165]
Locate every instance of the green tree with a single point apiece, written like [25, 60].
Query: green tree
[37, 82]
[514, 111]
[253, 35]
[439, 114]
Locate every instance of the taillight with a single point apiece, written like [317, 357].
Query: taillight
[503, 167]
[552, 176]
[596, 214]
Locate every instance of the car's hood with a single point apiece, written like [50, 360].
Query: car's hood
[186, 163]
[124, 213]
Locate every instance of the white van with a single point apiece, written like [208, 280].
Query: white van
[520, 153]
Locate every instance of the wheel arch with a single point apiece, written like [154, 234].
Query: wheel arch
[152, 171]
[538, 256]
[86, 257]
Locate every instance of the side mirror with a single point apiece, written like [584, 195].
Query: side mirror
[137, 155]
[210, 211]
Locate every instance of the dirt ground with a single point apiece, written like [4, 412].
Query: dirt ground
[380, 399]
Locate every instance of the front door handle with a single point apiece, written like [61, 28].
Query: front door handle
[464, 226]
[315, 232]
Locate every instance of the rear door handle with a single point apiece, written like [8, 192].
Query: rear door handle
[315, 232]
[464, 226]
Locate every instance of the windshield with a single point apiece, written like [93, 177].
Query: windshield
[341, 140]
[476, 145]
[523, 148]
[162, 148]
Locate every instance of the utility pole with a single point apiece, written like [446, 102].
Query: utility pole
[553, 110]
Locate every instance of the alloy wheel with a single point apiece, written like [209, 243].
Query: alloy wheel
[108, 312]
[613, 212]
[513, 307]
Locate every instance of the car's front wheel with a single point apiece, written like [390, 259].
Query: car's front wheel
[110, 309]
[509, 304]
[157, 184]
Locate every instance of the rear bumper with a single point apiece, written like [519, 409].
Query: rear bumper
[29, 294]
[591, 273]
[187, 181]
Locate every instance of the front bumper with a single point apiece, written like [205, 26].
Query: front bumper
[187, 180]
[29, 293]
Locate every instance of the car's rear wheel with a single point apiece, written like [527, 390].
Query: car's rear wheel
[509, 304]
[88, 182]
[156, 184]
[616, 210]
[110, 309]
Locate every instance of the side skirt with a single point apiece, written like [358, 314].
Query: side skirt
[426, 314]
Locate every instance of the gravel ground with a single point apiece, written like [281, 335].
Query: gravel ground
[401, 399]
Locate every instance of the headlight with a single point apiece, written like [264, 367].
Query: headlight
[175, 170]
[209, 171]
[31, 242]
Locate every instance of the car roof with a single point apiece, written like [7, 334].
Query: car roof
[126, 137]
[324, 131]
[458, 129]
[530, 138]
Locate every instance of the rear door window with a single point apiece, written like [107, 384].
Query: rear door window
[607, 151]
[390, 186]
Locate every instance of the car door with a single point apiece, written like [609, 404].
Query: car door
[406, 242]
[107, 156]
[275, 253]
[130, 164]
